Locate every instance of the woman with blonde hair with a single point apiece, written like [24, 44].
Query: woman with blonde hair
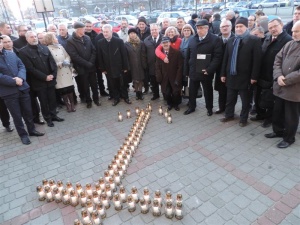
[64, 77]
[137, 58]
[173, 34]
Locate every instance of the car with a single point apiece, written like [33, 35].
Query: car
[131, 19]
[173, 17]
[242, 11]
[243, 4]
[296, 2]
[65, 21]
[266, 4]
[85, 18]
[205, 10]
[144, 13]
[228, 5]
[152, 17]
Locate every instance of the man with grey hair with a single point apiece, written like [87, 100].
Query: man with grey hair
[83, 56]
[113, 62]
[258, 32]
[230, 15]
[123, 32]
[52, 28]
[263, 22]
[63, 34]
[286, 86]
[42, 70]
[272, 44]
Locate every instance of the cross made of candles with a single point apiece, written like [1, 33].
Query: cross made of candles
[96, 199]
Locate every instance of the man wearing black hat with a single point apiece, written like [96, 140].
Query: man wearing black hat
[193, 21]
[83, 56]
[203, 56]
[113, 62]
[240, 69]
[169, 75]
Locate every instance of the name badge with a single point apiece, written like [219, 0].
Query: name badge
[201, 56]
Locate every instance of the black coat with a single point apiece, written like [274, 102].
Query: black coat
[39, 64]
[143, 36]
[20, 42]
[112, 56]
[100, 36]
[212, 45]
[215, 27]
[92, 36]
[150, 52]
[82, 53]
[270, 50]
[170, 72]
[248, 62]
[137, 60]
[218, 82]
[288, 27]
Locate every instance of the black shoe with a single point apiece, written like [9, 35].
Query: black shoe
[89, 105]
[176, 108]
[219, 111]
[154, 98]
[39, 121]
[58, 119]
[225, 119]
[146, 91]
[256, 118]
[169, 107]
[243, 124]
[141, 97]
[266, 124]
[188, 111]
[9, 128]
[25, 140]
[36, 133]
[97, 103]
[116, 102]
[252, 112]
[273, 135]
[209, 113]
[127, 101]
[50, 123]
[104, 93]
[110, 98]
[283, 144]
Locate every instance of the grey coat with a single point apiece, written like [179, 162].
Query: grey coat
[137, 60]
[287, 63]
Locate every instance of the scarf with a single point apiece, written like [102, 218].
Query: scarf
[134, 42]
[234, 56]
[173, 39]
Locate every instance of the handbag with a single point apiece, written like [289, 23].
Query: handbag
[186, 91]
[266, 98]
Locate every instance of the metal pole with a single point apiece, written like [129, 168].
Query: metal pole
[44, 21]
[5, 11]
[20, 10]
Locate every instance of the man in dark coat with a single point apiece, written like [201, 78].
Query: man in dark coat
[193, 21]
[5, 29]
[83, 56]
[240, 69]
[21, 41]
[4, 116]
[225, 35]
[151, 43]
[296, 17]
[42, 69]
[14, 90]
[113, 62]
[230, 15]
[63, 34]
[205, 50]
[215, 25]
[88, 30]
[169, 75]
[272, 45]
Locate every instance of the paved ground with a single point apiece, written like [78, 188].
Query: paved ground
[227, 174]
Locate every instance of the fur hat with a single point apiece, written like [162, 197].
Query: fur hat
[132, 30]
[242, 20]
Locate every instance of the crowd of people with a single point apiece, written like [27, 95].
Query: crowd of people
[253, 58]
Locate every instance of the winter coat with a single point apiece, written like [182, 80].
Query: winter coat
[247, 65]
[11, 66]
[82, 53]
[63, 40]
[150, 52]
[212, 45]
[287, 63]
[64, 73]
[270, 50]
[175, 44]
[145, 34]
[215, 27]
[193, 24]
[39, 64]
[137, 60]
[288, 27]
[170, 72]
[112, 56]
[20, 43]
[93, 34]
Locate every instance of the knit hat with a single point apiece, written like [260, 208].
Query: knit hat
[132, 30]
[194, 16]
[142, 19]
[242, 20]
[78, 25]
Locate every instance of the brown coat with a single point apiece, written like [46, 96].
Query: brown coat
[287, 63]
[170, 72]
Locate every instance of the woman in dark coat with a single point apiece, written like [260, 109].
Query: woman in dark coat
[137, 61]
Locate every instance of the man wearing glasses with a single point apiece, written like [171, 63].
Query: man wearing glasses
[21, 41]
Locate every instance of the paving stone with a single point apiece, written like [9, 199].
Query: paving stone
[241, 201]
[234, 209]
[197, 215]
[257, 207]
[225, 214]
[214, 219]
[207, 208]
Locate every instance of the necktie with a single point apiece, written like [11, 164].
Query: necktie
[273, 39]
[166, 52]
[154, 40]
[225, 40]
